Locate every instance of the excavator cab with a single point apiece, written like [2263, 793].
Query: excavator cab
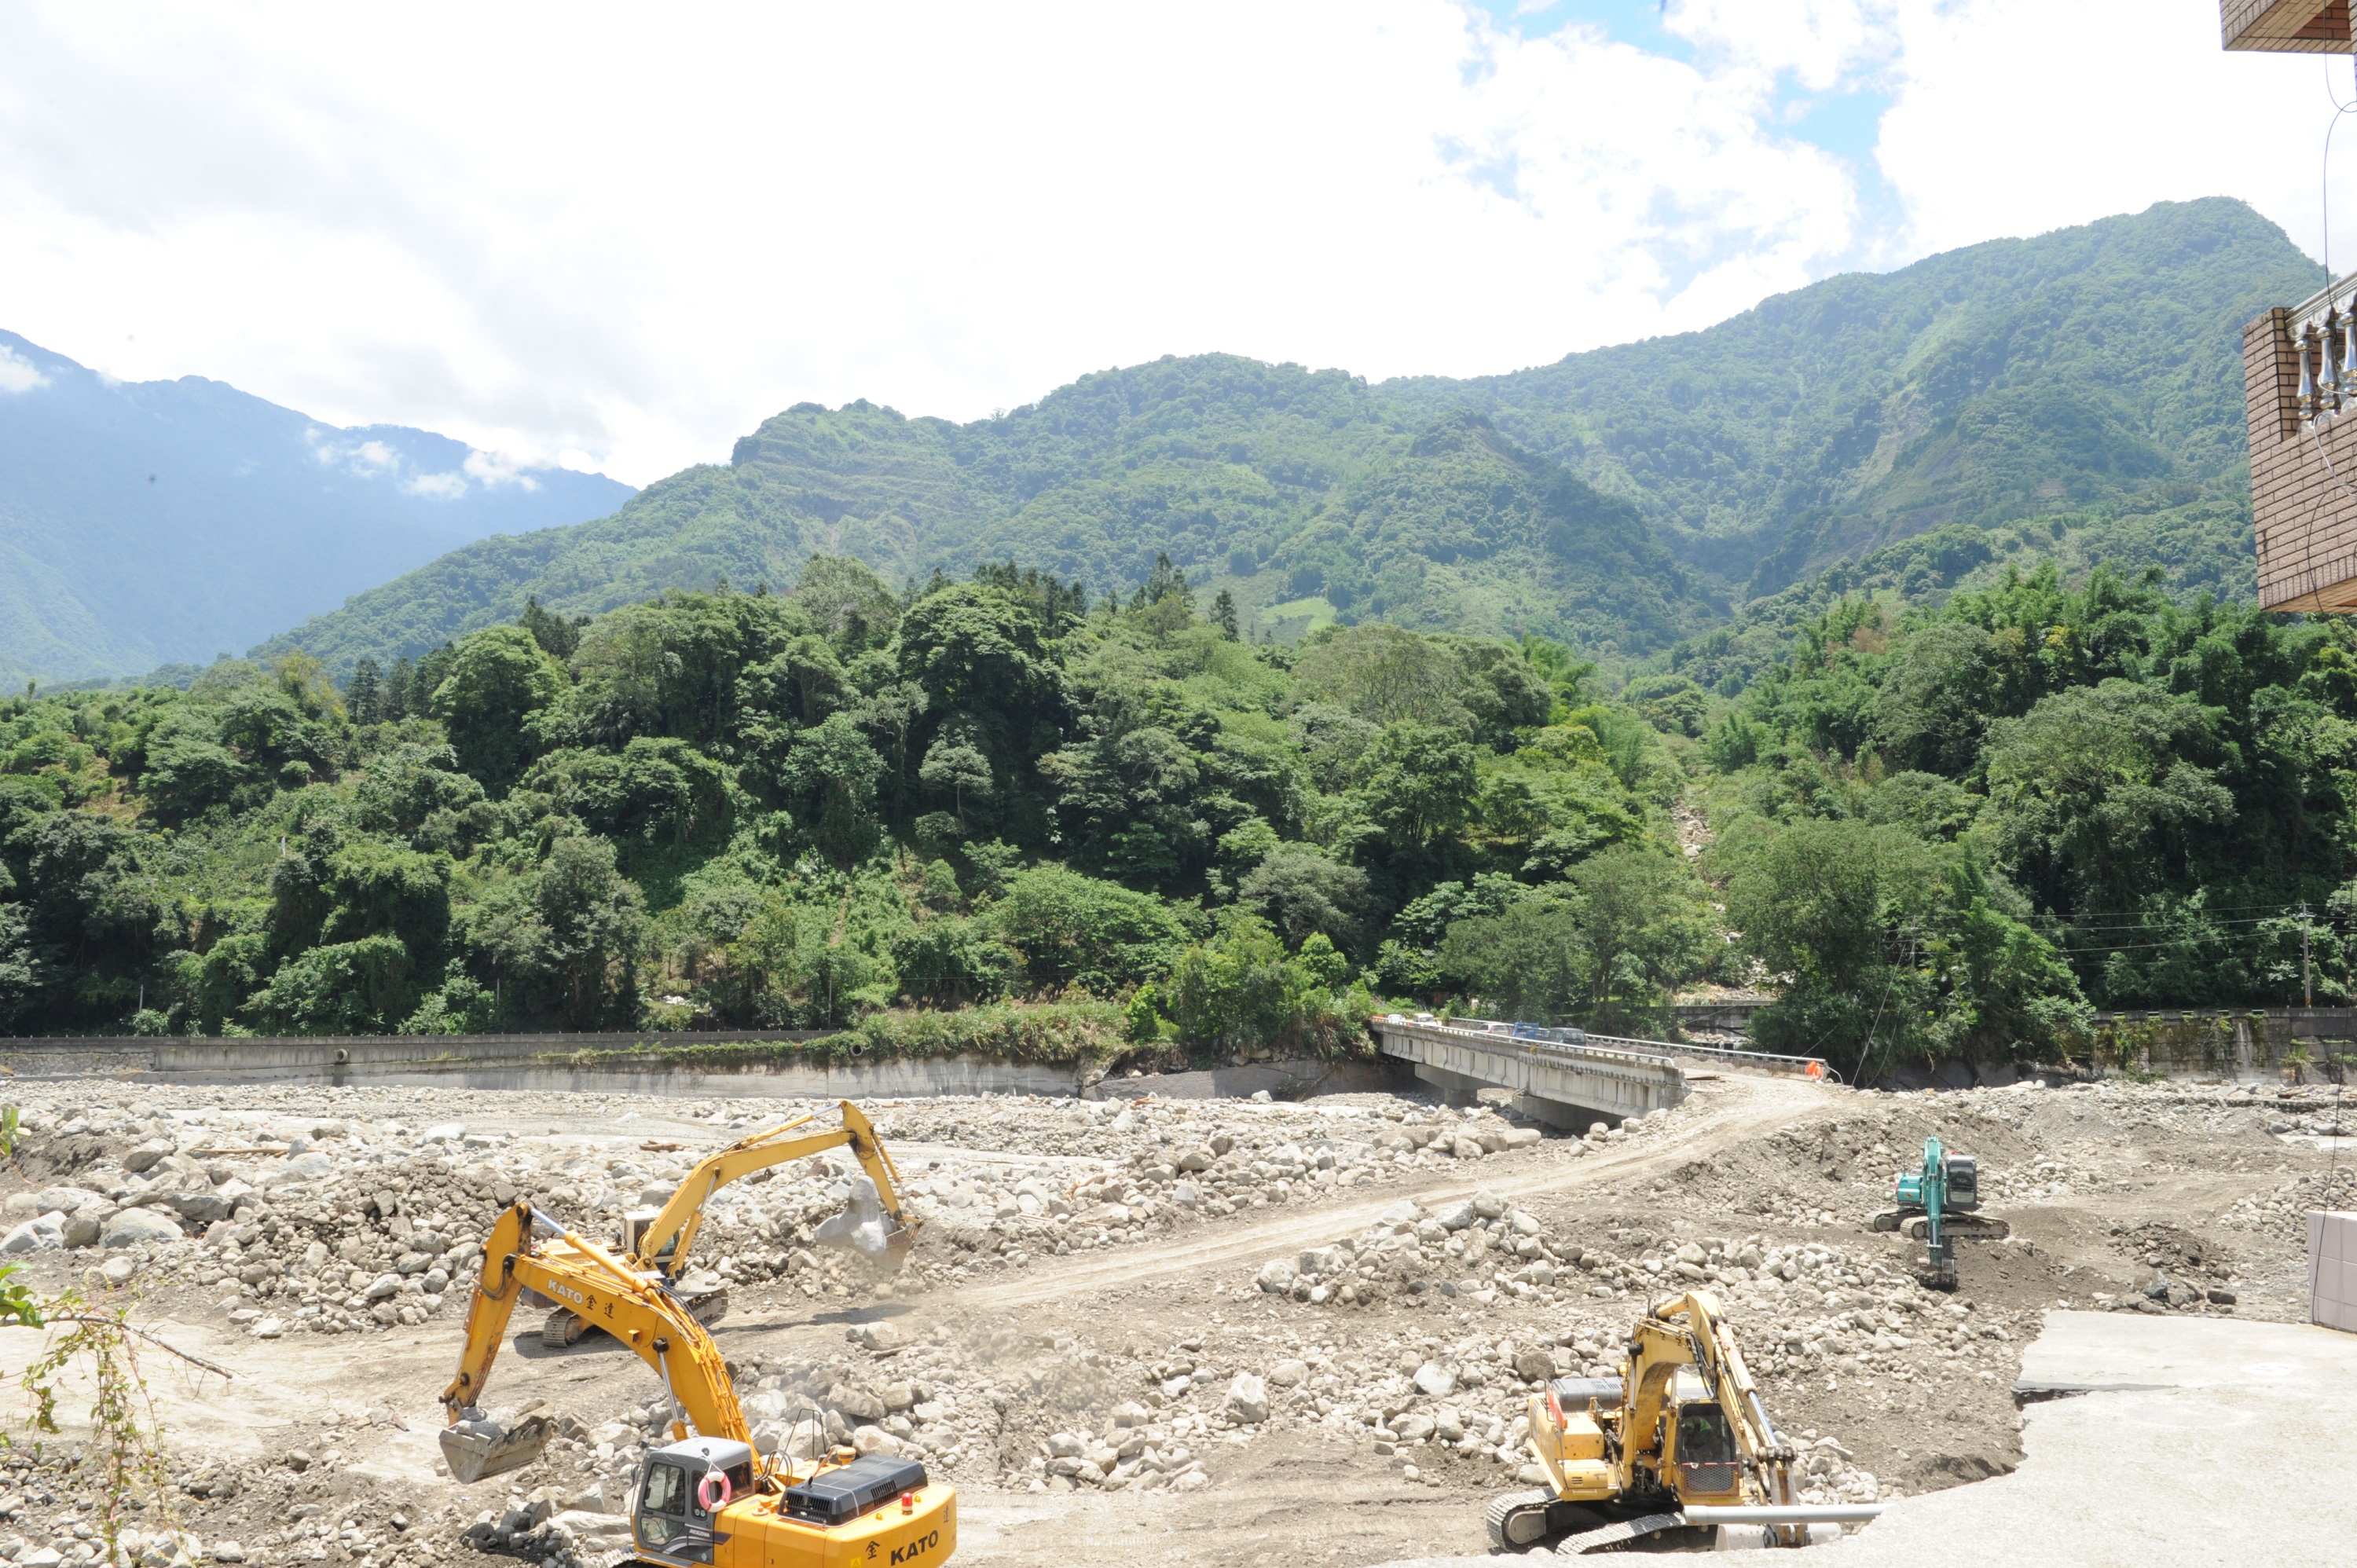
[682, 1491]
[1702, 1454]
[1964, 1182]
[634, 1230]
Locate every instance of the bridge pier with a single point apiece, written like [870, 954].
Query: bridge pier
[1456, 1088]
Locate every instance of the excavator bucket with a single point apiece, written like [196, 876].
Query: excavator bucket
[479, 1447]
[865, 1228]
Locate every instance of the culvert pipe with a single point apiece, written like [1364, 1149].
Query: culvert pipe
[1786, 1513]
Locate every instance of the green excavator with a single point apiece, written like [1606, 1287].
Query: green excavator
[1937, 1204]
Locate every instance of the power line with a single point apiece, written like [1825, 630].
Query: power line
[2149, 925]
[2143, 947]
[2198, 908]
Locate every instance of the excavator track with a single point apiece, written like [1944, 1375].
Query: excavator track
[1517, 1519]
[1620, 1534]
[562, 1328]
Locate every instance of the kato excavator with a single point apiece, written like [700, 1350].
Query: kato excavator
[1676, 1445]
[707, 1500]
[656, 1242]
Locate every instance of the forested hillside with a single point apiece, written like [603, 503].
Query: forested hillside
[734, 809]
[1617, 500]
[1984, 734]
[152, 523]
[1950, 824]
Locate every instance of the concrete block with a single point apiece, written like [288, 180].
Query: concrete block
[2332, 1269]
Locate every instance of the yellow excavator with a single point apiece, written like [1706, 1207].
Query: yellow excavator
[707, 1499]
[1676, 1447]
[655, 1241]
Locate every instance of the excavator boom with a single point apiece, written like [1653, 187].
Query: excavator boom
[665, 1241]
[1627, 1458]
[707, 1500]
[658, 1243]
[603, 1290]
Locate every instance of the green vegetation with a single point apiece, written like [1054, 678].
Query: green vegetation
[1617, 500]
[1404, 694]
[1955, 826]
[987, 815]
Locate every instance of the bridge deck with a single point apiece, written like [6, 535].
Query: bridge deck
[1561, 1076]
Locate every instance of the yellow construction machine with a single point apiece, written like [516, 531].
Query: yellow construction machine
[655, 1241]
[1676, 1447]
[707, 1499]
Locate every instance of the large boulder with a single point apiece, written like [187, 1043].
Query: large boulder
[1276, 1275]
[67, 1200]
[299, 1170]
[139, 1227]
[1248, 1398]
[42, 1233]
[187, 1187]
[142, 1159]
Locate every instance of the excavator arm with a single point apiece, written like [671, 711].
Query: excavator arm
[641, 1313]
[1714, 1352]
[664, 1243]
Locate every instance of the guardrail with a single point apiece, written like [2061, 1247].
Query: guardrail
[1536, 1037]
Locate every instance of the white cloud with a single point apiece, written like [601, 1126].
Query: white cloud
[1820, 42]
[612, 237]
[18, 373]
[2018, 117]
[498, 468]
[437, 487]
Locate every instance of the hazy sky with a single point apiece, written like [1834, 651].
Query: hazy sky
[620, 236]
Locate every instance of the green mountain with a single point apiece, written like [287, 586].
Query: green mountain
[2011, 379]
[152, 523]
[1622, 499]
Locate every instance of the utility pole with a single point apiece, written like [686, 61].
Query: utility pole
[2307, 979]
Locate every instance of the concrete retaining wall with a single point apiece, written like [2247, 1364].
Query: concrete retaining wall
[310, 1053]
[635, 1064]
[1282, 1079]
[2248, 1043]
[629, 1064]
[1732, 1016]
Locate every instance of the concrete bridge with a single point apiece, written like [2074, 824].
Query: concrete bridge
[1564, 1078]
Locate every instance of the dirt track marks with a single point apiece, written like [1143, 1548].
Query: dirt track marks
[1733, 1109]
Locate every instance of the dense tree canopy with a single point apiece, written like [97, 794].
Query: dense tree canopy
[1955, 824]
[754, 809]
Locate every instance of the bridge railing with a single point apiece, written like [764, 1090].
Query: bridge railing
[1566, 1041]
[1538, 1041]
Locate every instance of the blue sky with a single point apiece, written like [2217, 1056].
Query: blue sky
[1845, 120]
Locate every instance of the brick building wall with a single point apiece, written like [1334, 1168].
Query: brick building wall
[2303, 480]
[2285, 26]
